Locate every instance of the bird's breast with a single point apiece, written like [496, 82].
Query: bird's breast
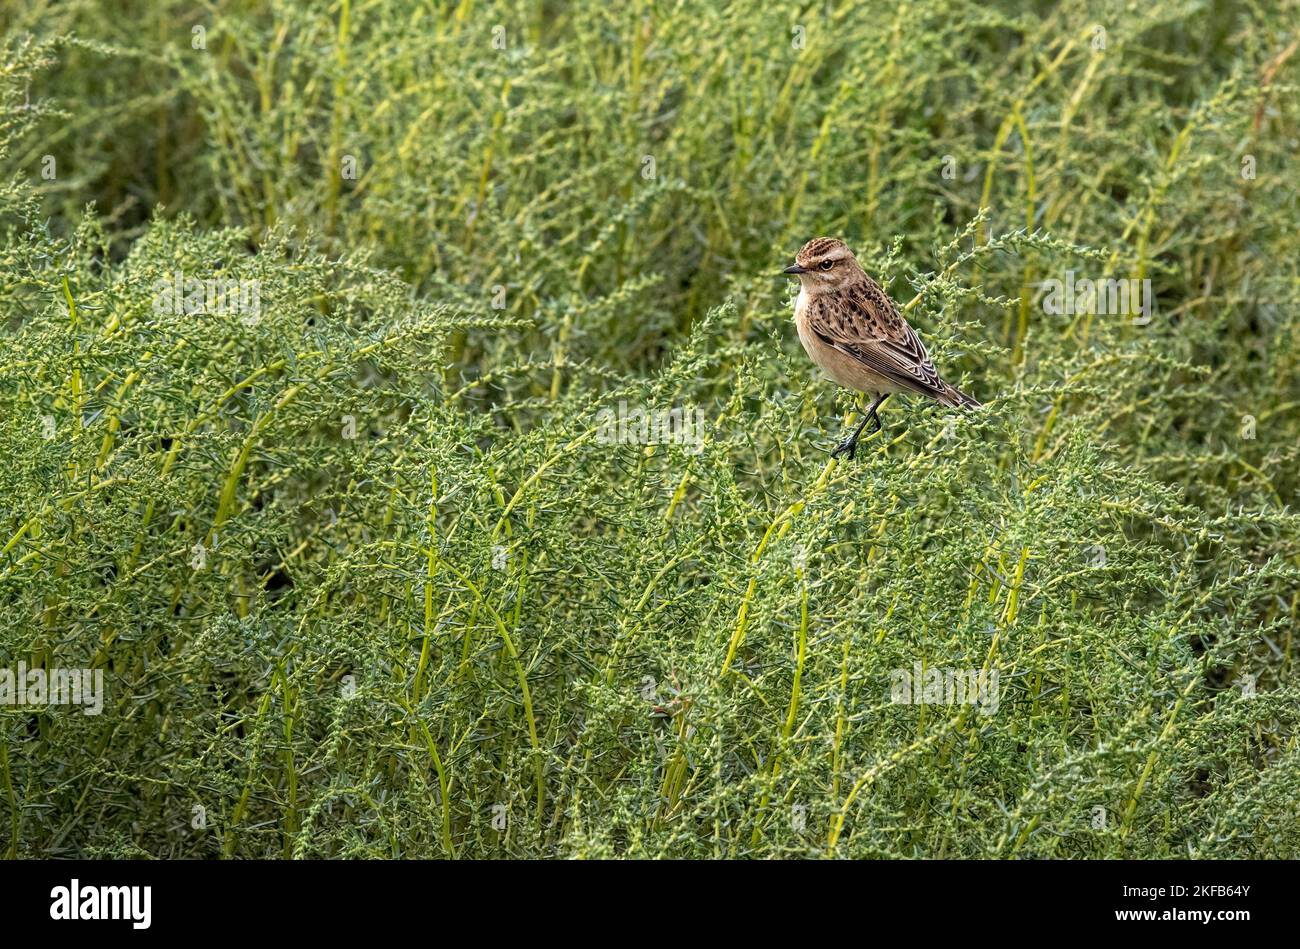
[810, 345]
[836, 363]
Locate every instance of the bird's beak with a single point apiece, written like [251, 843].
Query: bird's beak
[794, 269]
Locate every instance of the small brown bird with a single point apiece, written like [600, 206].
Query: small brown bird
[855, 333]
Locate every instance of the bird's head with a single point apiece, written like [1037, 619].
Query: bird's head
[824, 264]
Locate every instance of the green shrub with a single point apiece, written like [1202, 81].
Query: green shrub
[365, 575]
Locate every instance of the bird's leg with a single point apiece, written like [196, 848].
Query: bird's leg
[850, 445]
[880, 400]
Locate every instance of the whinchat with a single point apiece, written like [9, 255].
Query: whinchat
[854, 332]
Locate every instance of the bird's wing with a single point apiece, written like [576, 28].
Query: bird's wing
[861, 321]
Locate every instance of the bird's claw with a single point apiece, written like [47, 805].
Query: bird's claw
[849, 446]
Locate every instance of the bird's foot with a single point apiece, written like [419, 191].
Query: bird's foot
[848, 446]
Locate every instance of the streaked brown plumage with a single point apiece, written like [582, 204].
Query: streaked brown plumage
[851, 329]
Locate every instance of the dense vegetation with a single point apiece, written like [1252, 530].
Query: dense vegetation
[364, 572]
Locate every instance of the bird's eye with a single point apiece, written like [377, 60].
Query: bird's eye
[827, 264]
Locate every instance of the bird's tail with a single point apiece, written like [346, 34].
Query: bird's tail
[954, 397]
